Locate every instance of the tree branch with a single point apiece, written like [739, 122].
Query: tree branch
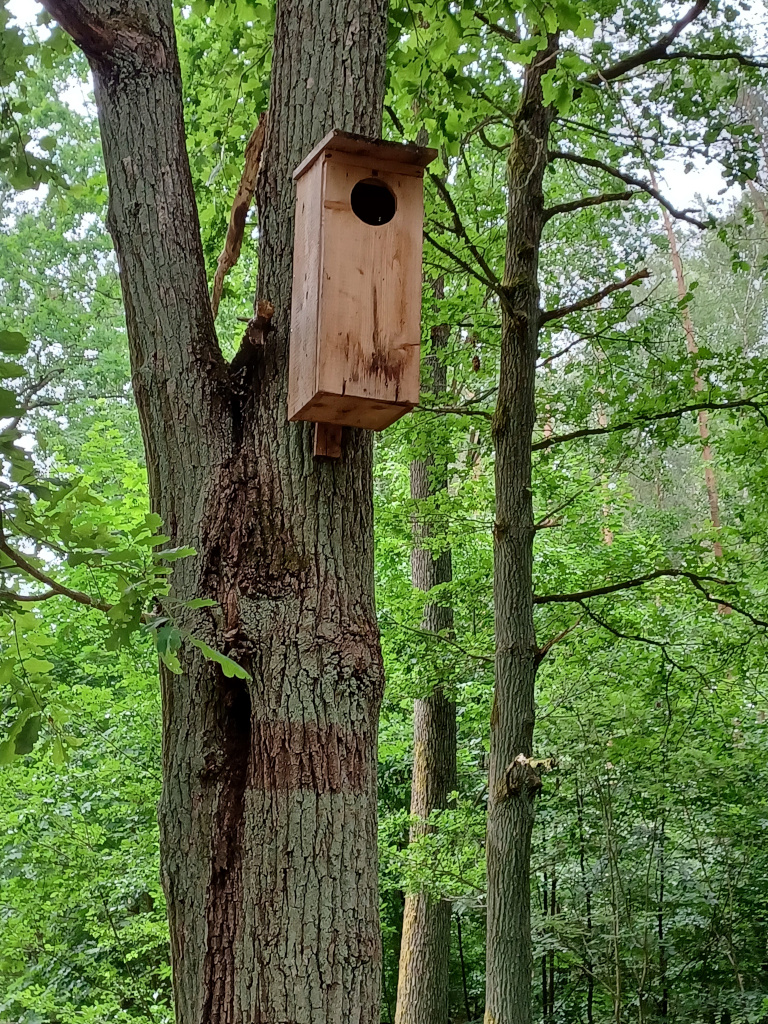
[459, 410]
[614, 588]
[490, 280]
[11, 595]
[628, 179]
[58, 588]
[558, 508]
[560, 352]
[92, 36]
[464, 265]
[436, 636]
[722, 602]
[461, 231]
[656, 51]
[547, 647]
[586, 201]
[636, 637]
[513, 37]
[240, 207]
[641, 420]
[740, 58]
[592, 300]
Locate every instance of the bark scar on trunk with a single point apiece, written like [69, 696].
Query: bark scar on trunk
[520, 775]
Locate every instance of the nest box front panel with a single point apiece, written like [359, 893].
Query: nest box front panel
[356, 304]
[370, 284]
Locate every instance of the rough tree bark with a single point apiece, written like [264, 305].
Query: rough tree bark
[268, 813]
[512, 781]
[422, 991]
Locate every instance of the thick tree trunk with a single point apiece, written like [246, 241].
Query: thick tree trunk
[268, 814]
[422, 992]
[512, 782]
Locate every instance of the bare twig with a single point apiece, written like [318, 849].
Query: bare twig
[560, 352]
[558, 508]
[461, 231]
[458, 410]
[463, 264]
[436, 636]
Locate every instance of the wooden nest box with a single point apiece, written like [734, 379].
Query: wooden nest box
[356, 302]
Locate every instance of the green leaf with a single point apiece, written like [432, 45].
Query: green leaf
[173, 554]
[28, 734]
[8, 403]
[7, 751]
[37, 665]
[8, 370]
[12, 343]
[230, 668]
[168, 639]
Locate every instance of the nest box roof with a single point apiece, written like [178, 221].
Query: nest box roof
[377, 149]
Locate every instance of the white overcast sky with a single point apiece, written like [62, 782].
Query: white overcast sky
[683, 189]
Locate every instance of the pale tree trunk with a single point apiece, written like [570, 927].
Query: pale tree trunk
[513, 783]
[756, 116]
[710, 480]
[422, 990]
[759, 201]
[268, 813]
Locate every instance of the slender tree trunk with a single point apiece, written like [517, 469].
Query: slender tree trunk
[512, 781]
[422, 992]
[759, 201]
[464, 986]
[588, 901]
[268, 813]
[552, 914]
[545, 915]
[710, 479]
[663, 980]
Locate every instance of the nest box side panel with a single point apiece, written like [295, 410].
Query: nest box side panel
[370, 320]
[305, 295]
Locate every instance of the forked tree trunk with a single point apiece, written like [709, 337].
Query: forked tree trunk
[512, 781]
[422, 991]
[268, 813]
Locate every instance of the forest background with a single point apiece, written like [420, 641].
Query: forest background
[649, 865]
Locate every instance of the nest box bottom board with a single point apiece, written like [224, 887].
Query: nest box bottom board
[349, 411]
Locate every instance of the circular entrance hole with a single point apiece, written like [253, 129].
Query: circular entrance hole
[373, 202]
